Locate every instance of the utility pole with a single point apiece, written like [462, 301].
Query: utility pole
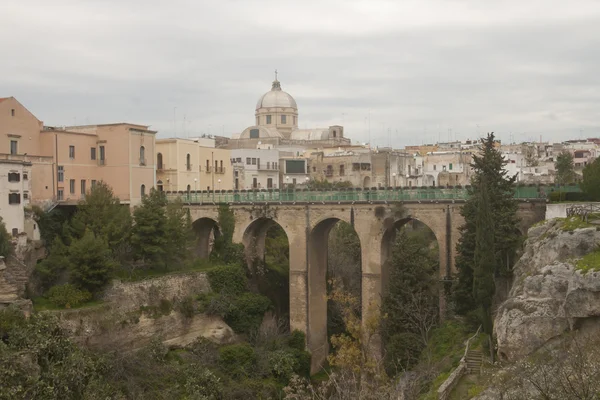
[212, 161]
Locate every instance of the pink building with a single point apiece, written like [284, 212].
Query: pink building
[68, 161]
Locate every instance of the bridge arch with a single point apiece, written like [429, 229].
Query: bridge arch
[318, 249]
[206, 230]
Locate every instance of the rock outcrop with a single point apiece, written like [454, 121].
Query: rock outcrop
[549, 295]
[133, 313]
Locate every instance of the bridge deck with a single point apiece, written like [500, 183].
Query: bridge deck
[351, 195]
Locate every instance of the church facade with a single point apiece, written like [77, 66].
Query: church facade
[276, 123]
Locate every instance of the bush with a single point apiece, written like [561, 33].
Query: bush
[231, 280]
[237, 359]
[246, 312]
[165, 307]
[303, 358]
[186, 307]
[297, 340]
[67, 296]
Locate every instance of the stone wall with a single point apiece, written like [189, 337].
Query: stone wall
[559, 210]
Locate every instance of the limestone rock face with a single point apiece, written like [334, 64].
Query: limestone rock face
[549, 296]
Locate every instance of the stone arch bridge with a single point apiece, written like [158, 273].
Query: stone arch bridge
[307, 226]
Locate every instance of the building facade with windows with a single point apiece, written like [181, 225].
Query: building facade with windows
[256, 169]
[15, 193]
[192, 164]
[121, 155]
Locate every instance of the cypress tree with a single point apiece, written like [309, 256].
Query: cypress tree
[488, 171]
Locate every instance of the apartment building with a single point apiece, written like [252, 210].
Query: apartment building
[121, 155]
[192, 164]
[15, 192]
[256, 168]
[20, 142]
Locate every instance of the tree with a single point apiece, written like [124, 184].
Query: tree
[91, 262]
[591, 180]
[488, 170]
[531, 157]
[57, 263]
[410, 304]
[149, 234]
[103, 214]
[565, 170]
[178, 231]
[5, 240]
[484, 258]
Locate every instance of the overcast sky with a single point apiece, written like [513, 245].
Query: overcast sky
[421, 69]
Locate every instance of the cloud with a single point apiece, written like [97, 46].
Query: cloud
[426, 70]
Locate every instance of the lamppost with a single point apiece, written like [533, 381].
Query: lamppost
[219, 184]
[307, 181]
[196, 188]
[394, 175]
[287, 182]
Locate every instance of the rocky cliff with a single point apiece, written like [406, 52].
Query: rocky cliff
[550, 294]
[133, 313]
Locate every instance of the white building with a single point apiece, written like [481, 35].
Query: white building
[255, 168]
[15, 192]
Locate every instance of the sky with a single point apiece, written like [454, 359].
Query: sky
[414, 71]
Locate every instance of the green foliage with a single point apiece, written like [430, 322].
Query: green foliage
[228, 279]
[322, 184]
[149, 233]
[102, 213]
[186, 307]
[571, 223]
[410, 305]
[52, 267]
[238, 359]
[178, 231]
[5, 240]
[202, 384]
[589, 262]
[591, 180]
[488, 172]
[67, 296]
[485, 263]
[246, 312]
[51, 224]
[91, 262]
[297, 340]
[565, 169]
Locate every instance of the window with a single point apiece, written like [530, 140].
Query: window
[207, 166]
[102, 154]
[284, 119]
[83, 187]
[142, 155]
[72, 186]
[248, 160]
[14, 177]
[93, 153]
[268, 165]
[60, 195]
[254, 134]
[294, 120]
[254, 183]
[15, 231]
[159, 161]
[25, 195]
[254, 161]
[12, 112]
[188, 162]
[342, 172]
[236, 173]
[334, 133]
[25, 176]
[434, 167]
[268, 119]
[269, 183]
[143, 190]
[450, 166]
[61, 173]
[189, 189]
[14, 198]
[71, 151]
[93, 183]
[216, 165]
[221, 162]
[13, 147]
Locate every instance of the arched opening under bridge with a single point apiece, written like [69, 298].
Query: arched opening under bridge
[205, 230]
[334, 269]
[267, 254]
[410, 271]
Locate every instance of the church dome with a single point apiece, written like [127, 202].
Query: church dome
[276, 98]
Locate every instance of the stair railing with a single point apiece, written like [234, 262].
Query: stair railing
[469, 343]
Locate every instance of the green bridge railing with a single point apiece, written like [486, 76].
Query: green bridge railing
[538, 192]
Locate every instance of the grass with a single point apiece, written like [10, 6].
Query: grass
[155, 271]
[43, 304]
[590, 262]
[572, 223]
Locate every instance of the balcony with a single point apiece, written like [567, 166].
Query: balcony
[208, 169]
[219, 170]
[188, 167]
[142, 161]
[160, 167]
[101, 162]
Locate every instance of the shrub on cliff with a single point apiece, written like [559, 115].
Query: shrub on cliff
[91, 262]
[67, 296]
[228, 279]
